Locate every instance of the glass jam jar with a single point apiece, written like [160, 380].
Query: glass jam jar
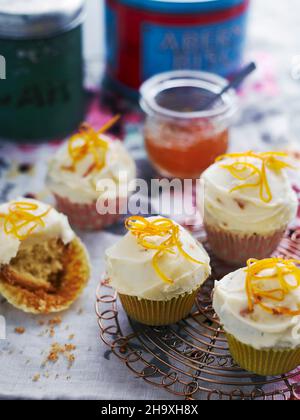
[182, 139]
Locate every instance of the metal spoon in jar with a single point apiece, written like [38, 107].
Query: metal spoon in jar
[236, 82]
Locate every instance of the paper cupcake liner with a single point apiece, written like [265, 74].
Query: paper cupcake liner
[72, 282]
[263, 362]
[235, 249]
[85, 216]
[158, 313]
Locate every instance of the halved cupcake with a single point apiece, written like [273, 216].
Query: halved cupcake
[89, 174]
[259, 308]
[44, 267]
[248, 205]
[157, 270]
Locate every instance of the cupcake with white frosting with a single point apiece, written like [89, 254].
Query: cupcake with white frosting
[43, 265]
[91, 173]
[259, 308]
[248, 205]
[157, 269]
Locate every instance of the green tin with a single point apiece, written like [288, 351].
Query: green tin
[42, 97]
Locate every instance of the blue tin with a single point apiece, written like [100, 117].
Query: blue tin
[146, 37]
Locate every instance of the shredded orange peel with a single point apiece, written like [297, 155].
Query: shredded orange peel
[144, 229]
[245, 171]
[20, 217]
[256, 294]
[89, 142]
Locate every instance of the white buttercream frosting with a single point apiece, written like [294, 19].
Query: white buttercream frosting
[243, 210]
[130, 268]
[56, 225]
[260, 329]
[78, 188]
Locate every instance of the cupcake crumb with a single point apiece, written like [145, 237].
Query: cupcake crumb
[71, 359]
[66, 350]
[55, 321]
[36, 377]
[20, 330]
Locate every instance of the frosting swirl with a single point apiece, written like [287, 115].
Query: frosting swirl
[249, 193]
[86, 160]
[26, 221]
[156, 267]
[260, 305]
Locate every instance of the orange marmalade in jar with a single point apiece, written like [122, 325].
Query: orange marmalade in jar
[182, 137]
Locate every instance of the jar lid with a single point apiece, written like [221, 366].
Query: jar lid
[183, 6]
[26, 19]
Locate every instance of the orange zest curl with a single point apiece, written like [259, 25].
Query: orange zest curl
[144, 229]
[20, 217]
[244, 171]
[89, 142]
[254, 284]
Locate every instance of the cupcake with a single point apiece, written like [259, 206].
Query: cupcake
[248, 204]
[157, 270]
[90, 176]
[259, 308]
[43, 265]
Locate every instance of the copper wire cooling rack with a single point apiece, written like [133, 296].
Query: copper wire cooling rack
[191, 359]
